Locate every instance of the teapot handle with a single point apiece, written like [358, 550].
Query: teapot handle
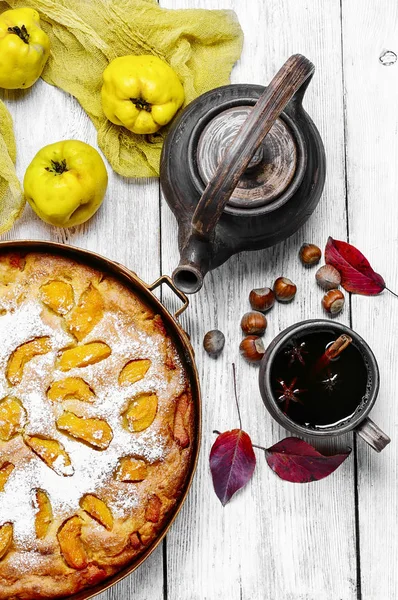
[289, 79]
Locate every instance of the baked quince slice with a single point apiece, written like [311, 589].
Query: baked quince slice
[131, 469]
[44, 515]
[181, 421]
[95, 432]
[135, 540]
[82, 356]
[5, 471]
[134, 371]
[71, 545]
[70, 388]
[85, 316]
[6, 535]
[52, 453]
[141, 412]
[98, 510]
[12, 418]
[24, 354]
[58, 295]
[10, 264]
[153, 508]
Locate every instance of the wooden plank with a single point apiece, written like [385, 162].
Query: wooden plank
[372, 155]
[126, 229]
[274, 541]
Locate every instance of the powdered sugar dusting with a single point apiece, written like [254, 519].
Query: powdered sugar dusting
[20, 325]
[61, 467]
[123, 503]
[91, 470]
[24, 562]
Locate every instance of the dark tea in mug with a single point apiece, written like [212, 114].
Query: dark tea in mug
[314, 391]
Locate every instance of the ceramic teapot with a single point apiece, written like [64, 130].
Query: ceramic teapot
[242, 168]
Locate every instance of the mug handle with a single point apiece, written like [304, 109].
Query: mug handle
[373, 435]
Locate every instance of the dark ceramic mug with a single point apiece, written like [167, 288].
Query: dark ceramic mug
[358, 422]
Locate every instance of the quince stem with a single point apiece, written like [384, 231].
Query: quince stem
[57, 167]
[141, 104]
[21, 32]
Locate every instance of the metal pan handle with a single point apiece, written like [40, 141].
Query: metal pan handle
[168, 281]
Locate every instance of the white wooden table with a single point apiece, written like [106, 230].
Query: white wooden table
[331, 540]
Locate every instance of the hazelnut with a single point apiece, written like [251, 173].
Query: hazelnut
[333, 301]
[252, 348]
[310, 254]
[253, 322]
[262, 299]
[284, 289]
[213, 342]
[328, 278]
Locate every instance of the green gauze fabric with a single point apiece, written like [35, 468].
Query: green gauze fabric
[11, 197]
[201, 46]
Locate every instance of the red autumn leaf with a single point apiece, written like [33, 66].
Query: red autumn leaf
[357, 275]
[294, 460]
[232, 463]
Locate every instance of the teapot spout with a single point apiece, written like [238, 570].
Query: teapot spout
[199, 247]
[195, 258]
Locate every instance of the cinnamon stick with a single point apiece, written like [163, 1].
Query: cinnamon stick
[333, 351]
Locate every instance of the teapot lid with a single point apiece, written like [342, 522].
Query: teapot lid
[273, 169]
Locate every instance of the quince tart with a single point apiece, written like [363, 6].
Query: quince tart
[96, 426]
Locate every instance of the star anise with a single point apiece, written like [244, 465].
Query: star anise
[331, 382]
[289, 393]
[295, 353]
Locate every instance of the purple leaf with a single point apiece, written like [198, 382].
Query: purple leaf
[294, 460]
[232, 463]
[357, 275]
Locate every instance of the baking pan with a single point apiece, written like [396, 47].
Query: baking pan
[177, 334]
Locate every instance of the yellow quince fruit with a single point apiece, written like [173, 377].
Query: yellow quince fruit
[65, 183]
[24, 48]
[142, 93]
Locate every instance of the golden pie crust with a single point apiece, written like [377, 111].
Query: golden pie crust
[96, 426]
